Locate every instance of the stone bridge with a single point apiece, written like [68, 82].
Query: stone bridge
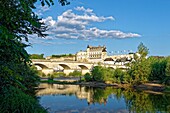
[49, 66]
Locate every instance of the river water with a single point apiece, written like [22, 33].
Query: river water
[78, 99]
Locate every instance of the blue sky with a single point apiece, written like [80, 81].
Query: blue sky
[120, 25]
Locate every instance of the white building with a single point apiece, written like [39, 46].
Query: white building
[99, 54]
[92, 54]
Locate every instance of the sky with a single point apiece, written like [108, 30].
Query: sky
[120, 25]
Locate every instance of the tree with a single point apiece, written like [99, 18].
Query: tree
[140, 69]
[143, 50]
[17, 21]
[168, 67]
[97, 74]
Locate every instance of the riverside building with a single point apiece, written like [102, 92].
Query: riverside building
[92, 54]
[96, 54]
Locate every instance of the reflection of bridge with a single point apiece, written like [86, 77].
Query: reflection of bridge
[48, 66]
[58, 89]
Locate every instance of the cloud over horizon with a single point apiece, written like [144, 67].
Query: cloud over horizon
[72, 25]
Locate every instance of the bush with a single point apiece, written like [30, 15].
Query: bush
[13, 100]
[75, 73]
[102, 74]
[25, 78]
[58, 74]
[87, 77]
[41, 74]
[97, 73]
[50, 77]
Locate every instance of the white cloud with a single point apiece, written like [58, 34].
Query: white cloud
[83, 9]
[70, 25]
[41, 10]
[33, 39]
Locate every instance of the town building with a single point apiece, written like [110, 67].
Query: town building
[92, 54]
[96, 54]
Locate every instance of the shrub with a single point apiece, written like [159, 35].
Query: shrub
[87, 77]
[41, 74]
[58, 74]
[75, 73]
[13, 100]
[97, 73]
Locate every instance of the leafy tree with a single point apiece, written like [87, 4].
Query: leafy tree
[168, 67]
[14, 100]
[88, 77]
[17, 21]
[97, 73]
[158, 69]
[143, 50]
[103, 74]
[118, 74]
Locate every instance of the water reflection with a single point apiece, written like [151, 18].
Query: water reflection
[78, 99]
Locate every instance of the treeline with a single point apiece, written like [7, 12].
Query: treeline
[63, 55]
[140, 70]
[36, 56]
[151, 69]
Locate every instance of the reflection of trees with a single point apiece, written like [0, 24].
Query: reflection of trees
[98, 95]
[143, 102]
[161, 102]
[138, 102]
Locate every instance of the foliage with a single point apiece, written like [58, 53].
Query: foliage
[37, 56]
[158, 71]
[150, 69]
[17, 22]
[25, 78]
[143, 50]
[88, 77]
[136, 102]
[104, 74]
[58, 74]
[62, 55]
[153, 68]
[53, 75]
[13, 100]
[118, 74]
[139, 71]
[75, 73]
[97, 73]
[41, 74]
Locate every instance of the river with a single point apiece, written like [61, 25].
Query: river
[58, 98]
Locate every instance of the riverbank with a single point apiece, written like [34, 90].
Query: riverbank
[149, 87]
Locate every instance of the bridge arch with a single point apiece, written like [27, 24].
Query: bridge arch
[83, 67]
[65, 66]
[108, 59]
[41, 65]
[111, 67]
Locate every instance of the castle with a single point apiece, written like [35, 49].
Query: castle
[99, 54]
[92, 54]
[96, 54]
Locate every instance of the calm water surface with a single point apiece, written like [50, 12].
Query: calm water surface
[77, 99]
